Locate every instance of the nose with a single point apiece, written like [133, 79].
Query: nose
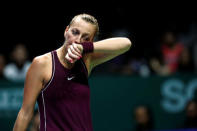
[78, 40]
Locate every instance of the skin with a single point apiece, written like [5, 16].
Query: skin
[40, 70]
[141, 115]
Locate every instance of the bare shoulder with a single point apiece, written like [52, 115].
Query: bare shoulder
[41, 67]
[42, 60]
[41, 64]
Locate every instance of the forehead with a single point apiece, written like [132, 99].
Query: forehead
[83, 26]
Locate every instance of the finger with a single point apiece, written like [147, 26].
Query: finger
[75, 51]
[68, 58]
[72, 55]
[76, 48]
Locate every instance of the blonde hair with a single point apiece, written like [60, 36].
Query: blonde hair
[88, 18]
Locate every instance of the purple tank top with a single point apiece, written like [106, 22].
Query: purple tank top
[64, 103]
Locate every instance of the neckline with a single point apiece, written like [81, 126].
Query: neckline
[58, 60]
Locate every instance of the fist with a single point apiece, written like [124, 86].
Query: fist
[74, 52]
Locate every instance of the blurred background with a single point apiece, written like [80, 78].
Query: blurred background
[151, 87]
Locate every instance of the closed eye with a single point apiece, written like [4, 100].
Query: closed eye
[87, 39]
[75, 32]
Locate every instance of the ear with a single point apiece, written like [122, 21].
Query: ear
[67, 28]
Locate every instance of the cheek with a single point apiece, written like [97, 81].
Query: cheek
[69, 37]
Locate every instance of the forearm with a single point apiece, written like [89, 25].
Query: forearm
[22, 121]
[113, 45]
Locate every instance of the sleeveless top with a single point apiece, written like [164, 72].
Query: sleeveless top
[64, 103]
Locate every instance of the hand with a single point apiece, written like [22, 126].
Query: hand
[74, 52]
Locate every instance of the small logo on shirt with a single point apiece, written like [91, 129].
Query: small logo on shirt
[70, 78]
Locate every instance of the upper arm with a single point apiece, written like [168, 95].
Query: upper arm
[99, 58]
[91, 60]
[33, 85]
[106, 50]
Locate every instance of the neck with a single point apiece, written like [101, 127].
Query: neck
[63, 52]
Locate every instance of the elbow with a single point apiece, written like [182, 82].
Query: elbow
[22, 120]
[26, 115]
[128, 43]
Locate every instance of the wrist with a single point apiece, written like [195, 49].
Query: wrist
[88, 47]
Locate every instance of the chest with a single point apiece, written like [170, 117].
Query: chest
[68, 85]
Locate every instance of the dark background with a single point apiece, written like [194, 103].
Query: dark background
[41, 26]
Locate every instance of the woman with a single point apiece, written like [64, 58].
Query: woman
[59, 80]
